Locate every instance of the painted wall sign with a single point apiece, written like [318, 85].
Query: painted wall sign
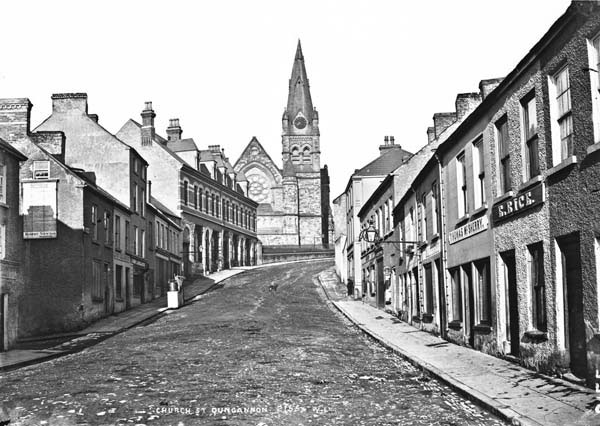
[534, 196]
[39, 210]
[474, 227]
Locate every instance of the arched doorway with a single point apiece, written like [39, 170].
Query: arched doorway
[226, 237]
[207, 254]
[215, 252]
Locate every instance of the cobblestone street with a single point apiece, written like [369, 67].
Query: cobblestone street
[262, 349]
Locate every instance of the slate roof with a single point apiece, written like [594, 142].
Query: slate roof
[385, 163]
[182, 145]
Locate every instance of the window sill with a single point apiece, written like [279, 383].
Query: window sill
[428, 318]
[593, 148]
[119, 299]
[479, 210]
[434, 237]
[537, 335]
[463, 218]
[483, 328]
[530, 182]
[97, 299]
[422, 245]
[503, 197]
[3, 204]
[455, 325]
[563, 165]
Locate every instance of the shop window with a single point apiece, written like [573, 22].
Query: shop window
[97, 292]
[428, 288]
[457, 314]
[530, 136]
[119, 282]
[536, 279]
[484, 299]
[503, 155]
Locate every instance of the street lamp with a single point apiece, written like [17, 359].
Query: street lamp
[370, 234]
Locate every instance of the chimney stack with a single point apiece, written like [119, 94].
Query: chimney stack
[214, 148]
[430, 134]
[441, 121]
[388, 143]
[52, 141]
[487, 86]
[70, 103]
[15, 118]
[466, 104]
[174, 130]
[148, 124]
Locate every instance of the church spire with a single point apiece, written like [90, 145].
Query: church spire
[299, 99]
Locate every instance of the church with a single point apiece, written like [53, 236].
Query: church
[293, 200]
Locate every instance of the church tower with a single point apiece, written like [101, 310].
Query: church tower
[301, 152]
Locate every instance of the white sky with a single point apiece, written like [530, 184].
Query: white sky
[376, 68]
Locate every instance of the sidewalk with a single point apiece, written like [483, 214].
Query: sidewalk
[508, 390]
[108, 326]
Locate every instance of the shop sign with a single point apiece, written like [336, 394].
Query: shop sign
[525, 200]
[474, 227]
[39, 210]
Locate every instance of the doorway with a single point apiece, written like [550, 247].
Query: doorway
[570, 258]
[469, 303]
[442, 300]
[380, 285]
[511, 298]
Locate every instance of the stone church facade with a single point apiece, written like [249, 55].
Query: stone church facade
[293, 200]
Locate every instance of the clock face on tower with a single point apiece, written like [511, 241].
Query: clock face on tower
[300, 122]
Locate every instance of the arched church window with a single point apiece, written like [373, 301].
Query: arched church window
[306, 155]
[296, 154]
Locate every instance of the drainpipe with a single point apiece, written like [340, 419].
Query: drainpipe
[443, 253]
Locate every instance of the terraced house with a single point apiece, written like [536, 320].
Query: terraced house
[497, 235]
[66, 249]
[201, 187]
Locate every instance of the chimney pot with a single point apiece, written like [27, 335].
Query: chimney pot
[174, 130]
[391, 140]
[385, 140]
